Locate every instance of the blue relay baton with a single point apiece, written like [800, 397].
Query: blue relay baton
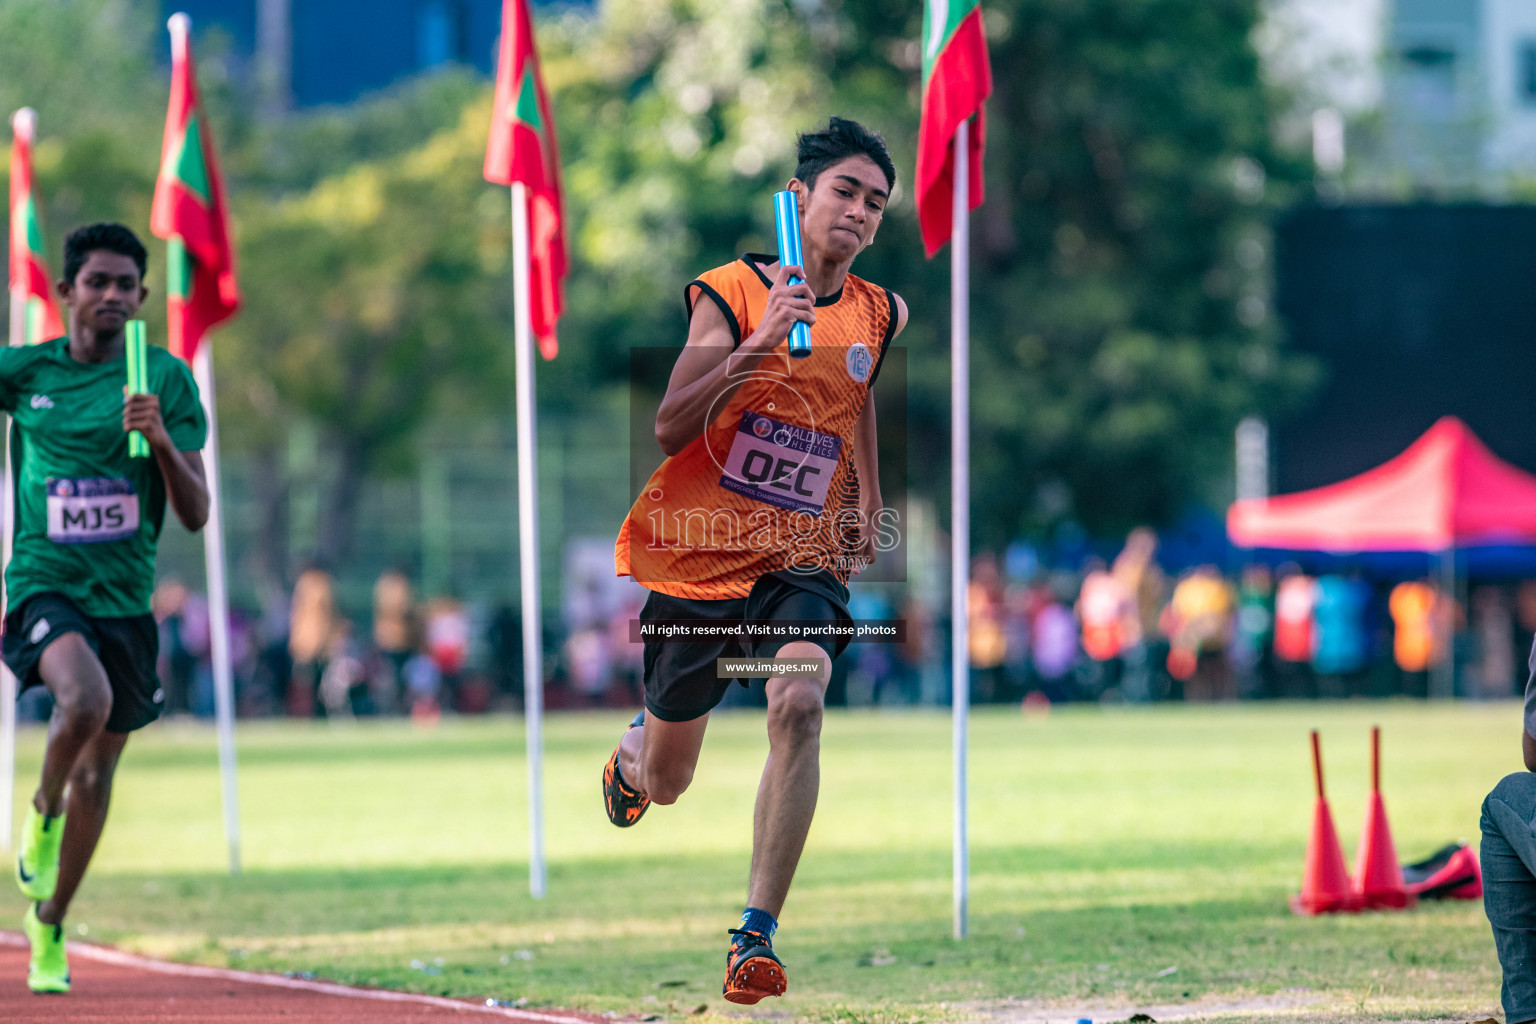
[786, 216]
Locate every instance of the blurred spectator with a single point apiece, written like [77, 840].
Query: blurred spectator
[344, 684]
[197, 639]
[394, 626]
[1199, 628]
[985, 641]
[311, 624]
[1295, 598]
[1251, 654]
[1104, 607]
[1053, 643]
[1525, 621]
[272, 677]
[184, 666]
[505, 638]
[872, 667]
[423, 686]
[1062, 635]
[1340, 648]
[1412, 606]
[1016, 615]
[1137, 571]
[628, 658]
[588, 666]
[448, 641]
[1492, 672]
[911, 655]
[177, 666]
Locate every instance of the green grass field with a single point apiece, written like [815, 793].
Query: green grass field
[1108, 846]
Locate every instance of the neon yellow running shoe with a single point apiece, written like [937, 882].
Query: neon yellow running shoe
[49, 969]
[37, 863]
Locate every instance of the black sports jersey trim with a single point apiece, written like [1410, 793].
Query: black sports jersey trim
[890, 336]
[751, 259]
[725, 307]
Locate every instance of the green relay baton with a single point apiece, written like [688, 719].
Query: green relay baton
[138, 382]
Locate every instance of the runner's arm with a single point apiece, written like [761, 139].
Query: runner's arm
[866, 461]
[709, 372]
[186, 483]
[865, 439]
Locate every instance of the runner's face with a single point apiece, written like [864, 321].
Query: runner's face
[840, 216]
[106, 293]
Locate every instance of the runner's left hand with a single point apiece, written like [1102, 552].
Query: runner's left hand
[142, 413]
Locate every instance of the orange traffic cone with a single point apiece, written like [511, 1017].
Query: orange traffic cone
[1325, 886]
[1378, 877]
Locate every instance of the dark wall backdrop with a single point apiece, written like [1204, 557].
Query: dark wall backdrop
[1417, 312]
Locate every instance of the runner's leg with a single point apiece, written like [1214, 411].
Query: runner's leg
[82, 701]
[786, 797]
[90, 792]
[658, 758]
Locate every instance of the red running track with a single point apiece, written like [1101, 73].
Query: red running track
[112, 987]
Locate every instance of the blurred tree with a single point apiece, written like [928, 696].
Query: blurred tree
[1121, 319]
[373, 299]
[677, 120]
[1121, 316]
[86, 67]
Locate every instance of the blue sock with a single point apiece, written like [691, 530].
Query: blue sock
[759, 921]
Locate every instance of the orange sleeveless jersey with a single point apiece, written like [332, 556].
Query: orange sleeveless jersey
[771, 483]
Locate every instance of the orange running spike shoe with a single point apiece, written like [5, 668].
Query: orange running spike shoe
[752, 970]
[624, 805]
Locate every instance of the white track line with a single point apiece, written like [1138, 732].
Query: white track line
[107, 955]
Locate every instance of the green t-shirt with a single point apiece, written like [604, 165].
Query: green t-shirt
[88, 517]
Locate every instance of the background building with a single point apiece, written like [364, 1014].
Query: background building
[1461, 89]
[313, 52]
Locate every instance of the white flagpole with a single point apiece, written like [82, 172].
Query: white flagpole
[23, 123]
[960, 512]
[528, 540]
[180, 26]
[218, 610]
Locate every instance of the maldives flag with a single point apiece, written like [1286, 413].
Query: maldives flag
[189, 211]
[29, 273]
[957, 78]
[522, 149]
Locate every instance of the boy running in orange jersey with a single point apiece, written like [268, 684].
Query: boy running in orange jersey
[768, 500]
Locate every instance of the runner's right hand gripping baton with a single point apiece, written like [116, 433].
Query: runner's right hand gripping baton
[786, 215]
[138, 381]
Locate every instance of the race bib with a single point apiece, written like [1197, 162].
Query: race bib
[780, 464]
[92, 510]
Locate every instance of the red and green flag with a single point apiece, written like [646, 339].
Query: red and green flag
[189, 211]
[522, 149]
[29, 281]
[957, 79]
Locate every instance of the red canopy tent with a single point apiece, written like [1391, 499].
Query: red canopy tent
[1447, 490]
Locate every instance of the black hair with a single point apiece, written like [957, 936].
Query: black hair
[839, 140]
[102, 238]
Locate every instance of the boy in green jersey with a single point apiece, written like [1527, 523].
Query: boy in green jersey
[86, 524]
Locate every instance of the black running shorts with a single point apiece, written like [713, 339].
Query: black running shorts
[680, 682]
[127, 648]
